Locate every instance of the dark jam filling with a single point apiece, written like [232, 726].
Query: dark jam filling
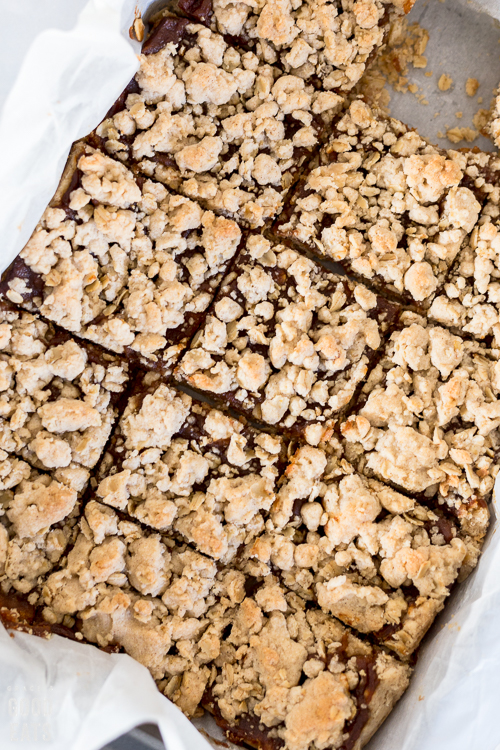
[168, 30]
[19, 270]
[16, 613]
[363, 694]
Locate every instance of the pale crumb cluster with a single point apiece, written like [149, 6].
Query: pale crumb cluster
[287, 342]
[493, 126]
[471, 86]
[386, 204]
[445, 82]
[182, 466]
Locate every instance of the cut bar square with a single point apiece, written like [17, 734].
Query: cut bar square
[122, 261]
[38, 516]
[181, 466]
[388, 206]
[59, 396]
[287, 342]
[378, 560]
[212, 122]
[427, 420]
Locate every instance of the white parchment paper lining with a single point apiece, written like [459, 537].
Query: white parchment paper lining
[62, 695]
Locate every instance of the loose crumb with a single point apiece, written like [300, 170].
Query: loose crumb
[471, 86]
[481, 119]
[445, 82]
[455, 135]
[459, 115]
[405, 47]
[420, 61]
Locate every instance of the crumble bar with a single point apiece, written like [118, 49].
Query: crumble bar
[293, 677]
[470, 299]
[123, 261]
[58, 396]
[216, 125]
[388, 206]
[327, 41]
[38, 515]
[286, 341]
[180, 465]
[427, 420]
[376, 559]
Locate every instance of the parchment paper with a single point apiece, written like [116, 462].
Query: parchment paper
[62, 695]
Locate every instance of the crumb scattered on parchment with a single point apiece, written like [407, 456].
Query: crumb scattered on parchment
[445, 82]
[459, 115]
[481, 119]
[405, 47]
[455, 135]
[471, 86]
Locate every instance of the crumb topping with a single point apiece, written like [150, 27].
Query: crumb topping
[470, 298]
[57, 403]
[220, 125]
[125, 266]
[179, 465]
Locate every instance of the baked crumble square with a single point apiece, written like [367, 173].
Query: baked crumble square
[427, 420]
[388, 206]
[289, 675]
[214, 123]
[128, 589]
[286, 341]
[58, 396]
[181, 466]
[38, 516]
[122, 261]
[379, 561]
[327, 41]
[470, 299]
